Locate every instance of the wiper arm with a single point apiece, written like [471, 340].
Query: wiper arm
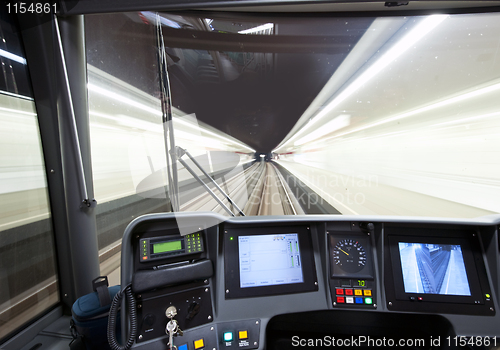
[179, 153]
[168, 127]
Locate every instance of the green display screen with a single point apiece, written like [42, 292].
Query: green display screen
[166, 247]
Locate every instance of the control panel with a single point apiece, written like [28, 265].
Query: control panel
[353, 292]
[239, 335]
[352, 282]
[242, 334]
[164, 247]
[246, 284]
[193, 307]
[172, 288]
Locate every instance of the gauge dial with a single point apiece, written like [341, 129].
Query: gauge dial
[349, 255]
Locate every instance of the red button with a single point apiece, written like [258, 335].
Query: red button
[348, 292]
[340, 300]
[339, 291]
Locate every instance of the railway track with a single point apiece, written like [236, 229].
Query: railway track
[433, 266]
[272, 195]
[258, 190]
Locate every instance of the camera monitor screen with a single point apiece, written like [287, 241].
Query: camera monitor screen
[433, 269]
[267, 260]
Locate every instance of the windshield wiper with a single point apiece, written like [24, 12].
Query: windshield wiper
[176, 153]
[179, 153]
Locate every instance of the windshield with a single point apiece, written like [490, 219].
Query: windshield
[283, 116]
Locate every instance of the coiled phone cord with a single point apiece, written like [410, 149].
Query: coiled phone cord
[131, 306]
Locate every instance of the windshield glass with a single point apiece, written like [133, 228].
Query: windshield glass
[284, 116]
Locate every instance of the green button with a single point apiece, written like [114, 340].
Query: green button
[368, 301]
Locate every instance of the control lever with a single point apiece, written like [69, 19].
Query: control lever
[367, 227]
[172, 327]
[193, 310]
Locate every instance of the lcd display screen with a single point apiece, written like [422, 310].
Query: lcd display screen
[433, 269]
[266, 260]
[165, 247]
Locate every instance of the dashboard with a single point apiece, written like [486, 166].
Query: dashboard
[283, 282]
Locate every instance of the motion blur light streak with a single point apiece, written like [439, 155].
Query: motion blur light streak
[13, 57]
[2, 92]
[130, 122]
[180, 120]
[421, 30]
[17, 111]
[469, 119]
[444, 103]
[257, 29]
[340, 122]
[152, 17]
[155, 112]
[125, 100]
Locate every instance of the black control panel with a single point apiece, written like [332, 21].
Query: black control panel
[193, 306]
[352, 282]
[164, 247]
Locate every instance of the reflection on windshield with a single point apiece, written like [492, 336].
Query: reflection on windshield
[384, 116]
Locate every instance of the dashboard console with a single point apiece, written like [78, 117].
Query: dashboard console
[249, 283]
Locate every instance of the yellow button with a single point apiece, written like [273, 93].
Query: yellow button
[198, 344]
[243, 334]
[368, 292]
[358, 292]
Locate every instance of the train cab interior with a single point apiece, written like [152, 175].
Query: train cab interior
[250, 174]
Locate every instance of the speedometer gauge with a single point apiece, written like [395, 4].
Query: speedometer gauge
[349, 255]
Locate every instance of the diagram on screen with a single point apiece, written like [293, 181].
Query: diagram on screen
[269, 260]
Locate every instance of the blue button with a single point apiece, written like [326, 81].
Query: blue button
[183, 347]
[359, 300]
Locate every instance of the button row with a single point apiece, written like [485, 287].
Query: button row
[198, 344]
[144, 250]
[354, 300]
[356, 292]
[227, 336]
[194, 249]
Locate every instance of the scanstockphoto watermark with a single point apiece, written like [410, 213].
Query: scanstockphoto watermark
[333, 187]
[367, 341]
[337, 180]
[362, 341]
